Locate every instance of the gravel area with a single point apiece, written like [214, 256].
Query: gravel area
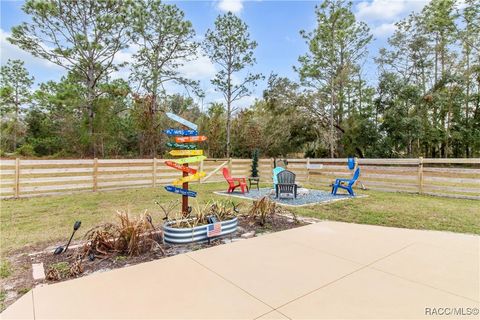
[312, 196]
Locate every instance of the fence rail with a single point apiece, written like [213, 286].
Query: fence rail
[443, 177]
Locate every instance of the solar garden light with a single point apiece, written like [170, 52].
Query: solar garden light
[60, 249]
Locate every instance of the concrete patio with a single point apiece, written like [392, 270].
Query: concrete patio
[328, 270]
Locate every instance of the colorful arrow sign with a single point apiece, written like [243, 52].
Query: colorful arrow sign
[190, 139]
[186, 152]
[181, 146]
[180, 167]
[190, 159]
[180, 120]
[180, 132]
[181, 191]
[193, 177]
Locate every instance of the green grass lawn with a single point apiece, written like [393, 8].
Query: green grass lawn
[43, 220]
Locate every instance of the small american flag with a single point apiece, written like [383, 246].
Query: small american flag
[214, 229]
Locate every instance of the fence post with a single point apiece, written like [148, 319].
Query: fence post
[154, 173]
[230, 167]
[308, 169]
[95, 174]
[420, 175]
[272, 166]
[17, 177]
[200, 169]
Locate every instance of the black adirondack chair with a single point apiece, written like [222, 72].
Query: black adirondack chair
[286, 184]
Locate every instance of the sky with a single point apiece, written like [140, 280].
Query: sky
[274, 24]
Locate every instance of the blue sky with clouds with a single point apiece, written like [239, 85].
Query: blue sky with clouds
[275, 25]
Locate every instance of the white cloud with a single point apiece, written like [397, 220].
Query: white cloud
[387, 10]
[384, 30]
[198, 69]
[234, 6]
[10, 51]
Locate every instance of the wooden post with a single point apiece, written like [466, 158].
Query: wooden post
[95, 175]
[230, 167]
[308, 170]
[359, 182]
[17, 177]
[272, 166]
[200, 169]
[185, 198]
[420, 175]
[154, 173]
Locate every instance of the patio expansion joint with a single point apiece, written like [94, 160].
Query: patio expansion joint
[417, 282]
[424, 284]
[235, 285]
[367, 266]
[33, 304]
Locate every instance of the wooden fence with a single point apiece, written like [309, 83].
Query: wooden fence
[443, 177]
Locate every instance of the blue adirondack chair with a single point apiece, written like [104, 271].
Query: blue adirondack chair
[346, 184]
[275, 172]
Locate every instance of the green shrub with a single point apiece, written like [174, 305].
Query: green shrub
[26, 150]
[255, 163]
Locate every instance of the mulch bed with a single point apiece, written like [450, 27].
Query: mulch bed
[19, 283]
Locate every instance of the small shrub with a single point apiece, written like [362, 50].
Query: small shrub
[5, 269]
[167, 208]
[220, 209]
[130, 236]
[57, 271]
[262, 209]
[26, 150]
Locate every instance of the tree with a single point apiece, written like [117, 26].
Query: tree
[165, 42]
[81, 36]
[337, 45]
[55, 119]
[254, 172]
[285, 125]
[230, 47]
[15, 84]
[213, 122]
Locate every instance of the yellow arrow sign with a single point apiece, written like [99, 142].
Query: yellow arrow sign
[190, 159]
[193, 177]
[186, 152]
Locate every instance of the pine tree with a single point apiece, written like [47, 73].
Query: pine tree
[229, 46]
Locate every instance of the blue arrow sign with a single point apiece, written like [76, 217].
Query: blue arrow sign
[181, 191]
[180, 120]
[180, 132]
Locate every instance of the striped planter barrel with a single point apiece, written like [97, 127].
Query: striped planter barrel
[173, 235]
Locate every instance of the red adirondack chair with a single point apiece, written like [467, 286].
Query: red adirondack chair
[242, 182]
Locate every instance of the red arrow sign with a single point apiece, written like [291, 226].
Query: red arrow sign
[190, 139]
[180, 167]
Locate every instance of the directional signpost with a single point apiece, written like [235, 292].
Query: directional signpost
[191, 159]
[186, 152]
[183, 136]
[180, 167]
[190, 139]
[193, 177]
[181, 191]
[180, 132]
[180, 120]
[181, 146]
